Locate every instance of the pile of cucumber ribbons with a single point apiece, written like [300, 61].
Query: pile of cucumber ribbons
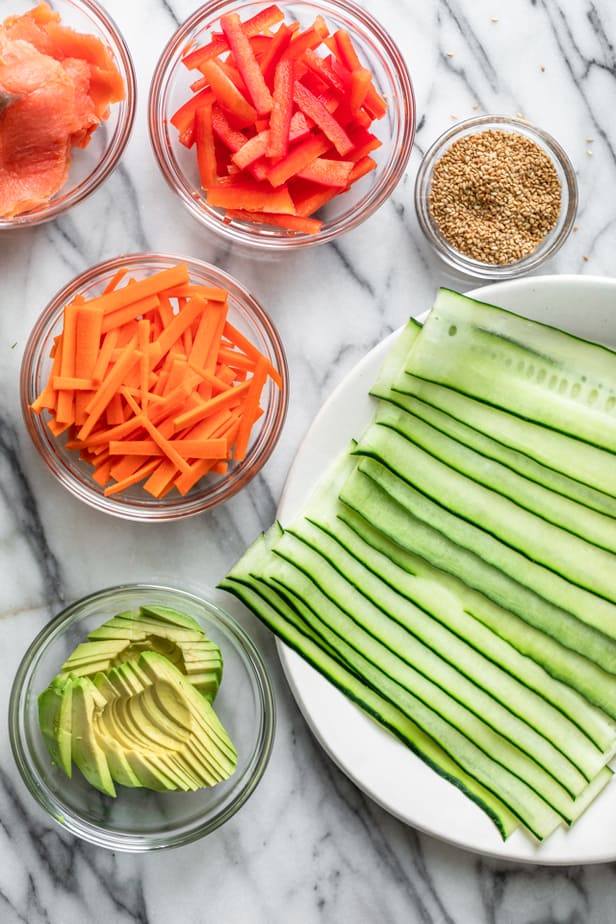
[455, 573]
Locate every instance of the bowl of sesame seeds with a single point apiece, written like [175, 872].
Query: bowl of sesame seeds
[496, 197]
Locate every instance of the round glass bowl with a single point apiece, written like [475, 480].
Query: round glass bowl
[91, 165]
[550, 243]
[377, 51]
[141, 819]
[134, 503]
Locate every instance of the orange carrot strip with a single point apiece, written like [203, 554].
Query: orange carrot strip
[233, 334]
[166, 445]
[250, 407]
[184, 482]
[236, 359]
[135, 478]
[209, 293]
[162, 476]
[65, 408]
[134, 448]
[178, 325]
[66, 383]
[124, 466]
[143, 338]
[129, 312]
[114, 412]
[89, 325]
[104, 357]
[103, 436]
[142, 288]
[108, 387]
[225, 399]
[115, 280]
[56, 427]
[214, 380]
[103, 473]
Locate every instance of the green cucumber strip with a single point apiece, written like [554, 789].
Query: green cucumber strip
[508, 537]
[394, 364]
[497, 770]
[498, 633]
[592, 468]
[493, 664]
[532, 370]
[415, 665]
[588, 660]
[259, 598]
[535, 487]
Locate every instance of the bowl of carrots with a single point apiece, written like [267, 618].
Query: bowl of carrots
[154, 387]
[282, 125]
[67, 106]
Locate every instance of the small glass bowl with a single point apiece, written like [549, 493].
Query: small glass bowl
[140, 819]
[171, 88]
[546, 248]
[91, 165]
[245, 313]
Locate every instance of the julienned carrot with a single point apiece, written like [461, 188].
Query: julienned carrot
[167, 395]
[269, 103]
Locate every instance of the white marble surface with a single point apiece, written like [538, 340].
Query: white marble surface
[308, 846]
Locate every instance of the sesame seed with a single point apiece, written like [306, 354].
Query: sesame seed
[495, 195]
[475, 105]
[589, 140]
[589, 153]
[450, 54]
[585, 258]
[494, 19]
[543, 68]
[575, 228]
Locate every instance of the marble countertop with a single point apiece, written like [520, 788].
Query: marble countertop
[308, 846]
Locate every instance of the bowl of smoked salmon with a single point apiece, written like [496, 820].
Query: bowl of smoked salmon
[67, 104]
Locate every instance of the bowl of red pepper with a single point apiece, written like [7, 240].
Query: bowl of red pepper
[282, 125]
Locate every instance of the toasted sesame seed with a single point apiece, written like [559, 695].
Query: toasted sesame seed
[494, 19]
[450, 54]
[543, 68]
[475, 105]
[589, 153]
[585, 258]
[495, 195]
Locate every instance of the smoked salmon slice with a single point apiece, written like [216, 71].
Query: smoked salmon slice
[56, 87]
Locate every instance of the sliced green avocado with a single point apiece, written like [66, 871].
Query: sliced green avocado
[55, 720]
[177, 636]
[87, 753]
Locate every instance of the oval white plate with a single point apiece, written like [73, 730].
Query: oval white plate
[382, 767]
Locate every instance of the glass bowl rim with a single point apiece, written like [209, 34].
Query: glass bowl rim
[552, 242]
[281, 240]
[113, 153]
[44, 796]
[167, 510]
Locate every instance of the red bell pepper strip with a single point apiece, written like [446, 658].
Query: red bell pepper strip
[184, 117]
[253, 26]
[253, 198]
[297, 158]
[251, 150]
[315, 110]
[328, 172]
[227, 93]
[311, 38]
[246, 62]
[292, 222]
[310, 197]
[230, 137]
[204, 138]
[272, 56]
[322, 67]
[361, 167]
[361, 79]
[282, 109]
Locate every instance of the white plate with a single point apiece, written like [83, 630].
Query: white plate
[382, 767]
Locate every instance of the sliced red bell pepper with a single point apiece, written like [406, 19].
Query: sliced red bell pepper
[315, 110]
[282, 109]
[253, 26]
[228, 94]
[328, 172]
[298, 157]
[311, 38]
[361, 79]
[230, 137]
[246, 62]
[184, 118]
[292, 222]
[325, 71]
[361, 167]
[252, 198]
[272, 56]
[204, 139]
[251, 150]
[310, 197]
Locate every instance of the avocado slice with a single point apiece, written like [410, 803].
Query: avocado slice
[89, 756]
[55, 720]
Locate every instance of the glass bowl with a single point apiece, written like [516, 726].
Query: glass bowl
[140, 819]
[134, 503]
[171, 88]
[550, 243]
[91, 165]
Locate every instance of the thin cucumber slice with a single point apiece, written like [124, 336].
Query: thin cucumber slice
[558, 498]
[493, 662]
[590, 466]
[545, 558]
[588, 661]
[448, 645]
[587, 525]
[480, 750]
[410, 660]
[268, 605]
[394, 364]
[535, 371]
[499, 634]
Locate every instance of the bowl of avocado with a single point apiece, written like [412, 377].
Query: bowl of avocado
[141, 717]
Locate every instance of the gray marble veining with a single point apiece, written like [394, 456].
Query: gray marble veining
[308, 846]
